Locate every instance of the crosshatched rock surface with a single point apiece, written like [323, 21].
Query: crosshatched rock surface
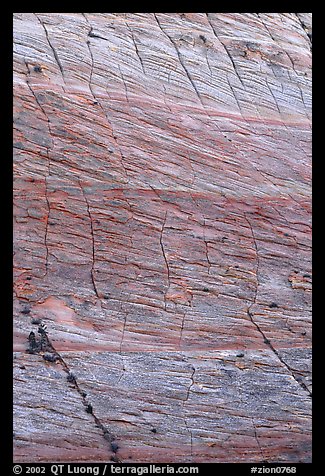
[162, 232]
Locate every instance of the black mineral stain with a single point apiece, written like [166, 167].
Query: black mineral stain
[114, 447]
[36, 321]
[50, 357]
[34, 346]
[26, 310]
[108, 436]
[71, 378]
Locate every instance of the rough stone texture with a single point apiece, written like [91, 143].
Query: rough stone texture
[162, 232]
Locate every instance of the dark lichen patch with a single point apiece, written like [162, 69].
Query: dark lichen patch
[36, 321]
[71, 378]
[108, 436]
[33, 345]
[114, 447]
[51, 357]
[26, 310]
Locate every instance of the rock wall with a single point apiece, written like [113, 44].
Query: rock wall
[162, 233]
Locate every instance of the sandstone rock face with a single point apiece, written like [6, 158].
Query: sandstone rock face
[162, 232]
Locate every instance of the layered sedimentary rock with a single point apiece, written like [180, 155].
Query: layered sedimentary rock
[162, 233]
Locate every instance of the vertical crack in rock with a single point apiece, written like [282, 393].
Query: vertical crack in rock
[123, 331]
[97, 101]
[236, 99]
[274, 99]
[136, 47]
[258, 441]
[226, 50]
[190, 386]
[47, 345]
[284, 51]
[191, 167]
[266, 27]
[168, 107]
[291, 60]
[184, 402]
[206, 247]
[124, 84]
[122, 370]
[52, 47]
[37, 100]
[180, 60]
[156, 193]
[189, 77]
[266, 81]
[251, 315]
[303, 101]
[208, 62]
[47, 221]
[265, 175]
[292, 64]
[48, 167]
[256, 270]
[277, 43]
[121, 344]
[90, 82]
[306, 30]
[92, 239]
[206, 243]
[165, 258]
[191, 435]
[181, 330]
[128, 204]
[193, 84]
[239, 391]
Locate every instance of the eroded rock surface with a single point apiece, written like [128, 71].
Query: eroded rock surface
[162, 232]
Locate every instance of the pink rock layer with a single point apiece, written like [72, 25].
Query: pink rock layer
[162, 232]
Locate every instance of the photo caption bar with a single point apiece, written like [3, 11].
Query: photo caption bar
[138, 469]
